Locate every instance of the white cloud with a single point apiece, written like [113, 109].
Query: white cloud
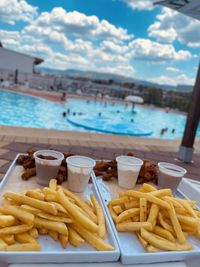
[172, 69]
[140, 4]
[75, 24]
[145, 49]
[180, 79]
[16, 10]
[171, 25]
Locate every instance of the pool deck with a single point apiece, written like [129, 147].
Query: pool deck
[15, 140]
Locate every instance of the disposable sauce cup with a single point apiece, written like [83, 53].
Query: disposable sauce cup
[47, 165]
[128, 169]
[79, 170]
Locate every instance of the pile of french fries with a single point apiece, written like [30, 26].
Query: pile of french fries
[160, 220]
[52, 210]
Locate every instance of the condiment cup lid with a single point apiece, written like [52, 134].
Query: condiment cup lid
[129, 160]
[81, 161]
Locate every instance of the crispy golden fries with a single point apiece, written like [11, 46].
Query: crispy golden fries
[75, 213]
[160, 220]
[100, 217]
[52, 211]
[20, 214]
[74, 238]
[92, 239]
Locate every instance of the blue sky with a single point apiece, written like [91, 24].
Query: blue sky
[127, 37]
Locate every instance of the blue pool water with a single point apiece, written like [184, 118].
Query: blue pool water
[27, 111]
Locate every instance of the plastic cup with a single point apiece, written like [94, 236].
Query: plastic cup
[128, 169]
[47, 169]
[79, 170]
[170, 175]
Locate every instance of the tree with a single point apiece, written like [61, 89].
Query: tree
[154, 96]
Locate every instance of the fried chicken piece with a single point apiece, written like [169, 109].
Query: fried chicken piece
[29, 173]
[21, 159]
[29, 163]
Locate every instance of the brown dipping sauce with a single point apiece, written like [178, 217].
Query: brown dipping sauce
[46, 170]
[46, 157]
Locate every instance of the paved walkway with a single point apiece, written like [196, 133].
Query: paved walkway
[15, 140]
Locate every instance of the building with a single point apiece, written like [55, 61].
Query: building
[11, 61]
[16, 67]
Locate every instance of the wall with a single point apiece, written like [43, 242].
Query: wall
[10, 60]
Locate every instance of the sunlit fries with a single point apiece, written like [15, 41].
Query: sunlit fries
[160, 220]
[52, 211]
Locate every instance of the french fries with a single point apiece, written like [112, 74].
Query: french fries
[160, 220]
[52, 211]
[74, 238]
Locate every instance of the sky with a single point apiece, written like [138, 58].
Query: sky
[126, 37]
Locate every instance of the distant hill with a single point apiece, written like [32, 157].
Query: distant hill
[103, 76]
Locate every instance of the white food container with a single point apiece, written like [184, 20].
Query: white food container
[51, 251]
[132, 252]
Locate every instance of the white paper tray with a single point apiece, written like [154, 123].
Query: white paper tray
[132, 251]
[52, 252]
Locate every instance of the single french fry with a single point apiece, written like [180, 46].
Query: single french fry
[132, 204]
[81, 203]
[148, 187]
[117, 209]
[92, 238]
[3, 245]
[49, 191]
[63, 240]
[51, 198]
[162, 243]
[43, 231]
[127, 214]
[9, 239]
[163, 233]
[142, 240]
[161, 192]
[55, 218]
[118, 201]
[176, 224]
[35, 194]
[53, 235]
[74, 238]
[164, 224]
[51, 225]
[53, 184]
[30, 209]
[149, 197]
[153, 214]
[48, 207]
[24, 238]
[76, 214]
[112, 213]
[34, 233]
[133, 226]
[100, 217]
[7, 220]
[190, 221]
[151, 249]
[16, 229]
[143, 209]
[18, 213]
[60, 208]
[24, 247]
[175, 202]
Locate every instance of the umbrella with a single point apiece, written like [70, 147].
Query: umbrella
[134, 99]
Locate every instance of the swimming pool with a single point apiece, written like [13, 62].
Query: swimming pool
[27, 111]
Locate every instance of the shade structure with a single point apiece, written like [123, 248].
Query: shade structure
[190, 8]
[134, 99]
